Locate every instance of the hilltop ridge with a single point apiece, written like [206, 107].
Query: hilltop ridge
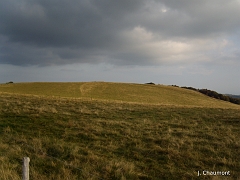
[123, 92]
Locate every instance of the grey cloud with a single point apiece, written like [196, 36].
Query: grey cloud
[41, 32]
[207, 17]
[65, 23]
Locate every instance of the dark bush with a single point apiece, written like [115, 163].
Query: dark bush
[150, 83]
[191, 88]
[10, 82]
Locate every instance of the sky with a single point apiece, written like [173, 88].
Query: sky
[172, 42]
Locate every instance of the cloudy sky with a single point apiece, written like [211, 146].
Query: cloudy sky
[184, 42]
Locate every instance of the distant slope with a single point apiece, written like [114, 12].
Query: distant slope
[127, 92]
[233, 96]
[43, 88]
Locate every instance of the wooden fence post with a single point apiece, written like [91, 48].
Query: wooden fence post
[25, 168]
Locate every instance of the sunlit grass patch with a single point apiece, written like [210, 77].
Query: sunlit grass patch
[119, 92]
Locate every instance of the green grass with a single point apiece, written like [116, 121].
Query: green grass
[71, 136]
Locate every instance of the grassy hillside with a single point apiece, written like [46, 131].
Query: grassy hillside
[109, 137]
[139, 93]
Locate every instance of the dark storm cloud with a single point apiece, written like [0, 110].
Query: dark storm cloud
[43, 32]
[52, 23]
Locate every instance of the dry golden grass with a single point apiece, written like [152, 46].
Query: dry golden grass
[122, 92]
[84, 138]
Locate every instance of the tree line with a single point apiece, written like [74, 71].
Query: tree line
[216, 95]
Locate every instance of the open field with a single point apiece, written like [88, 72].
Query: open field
[101, 134]
[123, 92]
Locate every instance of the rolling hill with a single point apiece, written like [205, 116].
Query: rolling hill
[123, 92]
[99, 130]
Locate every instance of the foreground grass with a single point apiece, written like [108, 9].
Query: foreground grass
[93, 139]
